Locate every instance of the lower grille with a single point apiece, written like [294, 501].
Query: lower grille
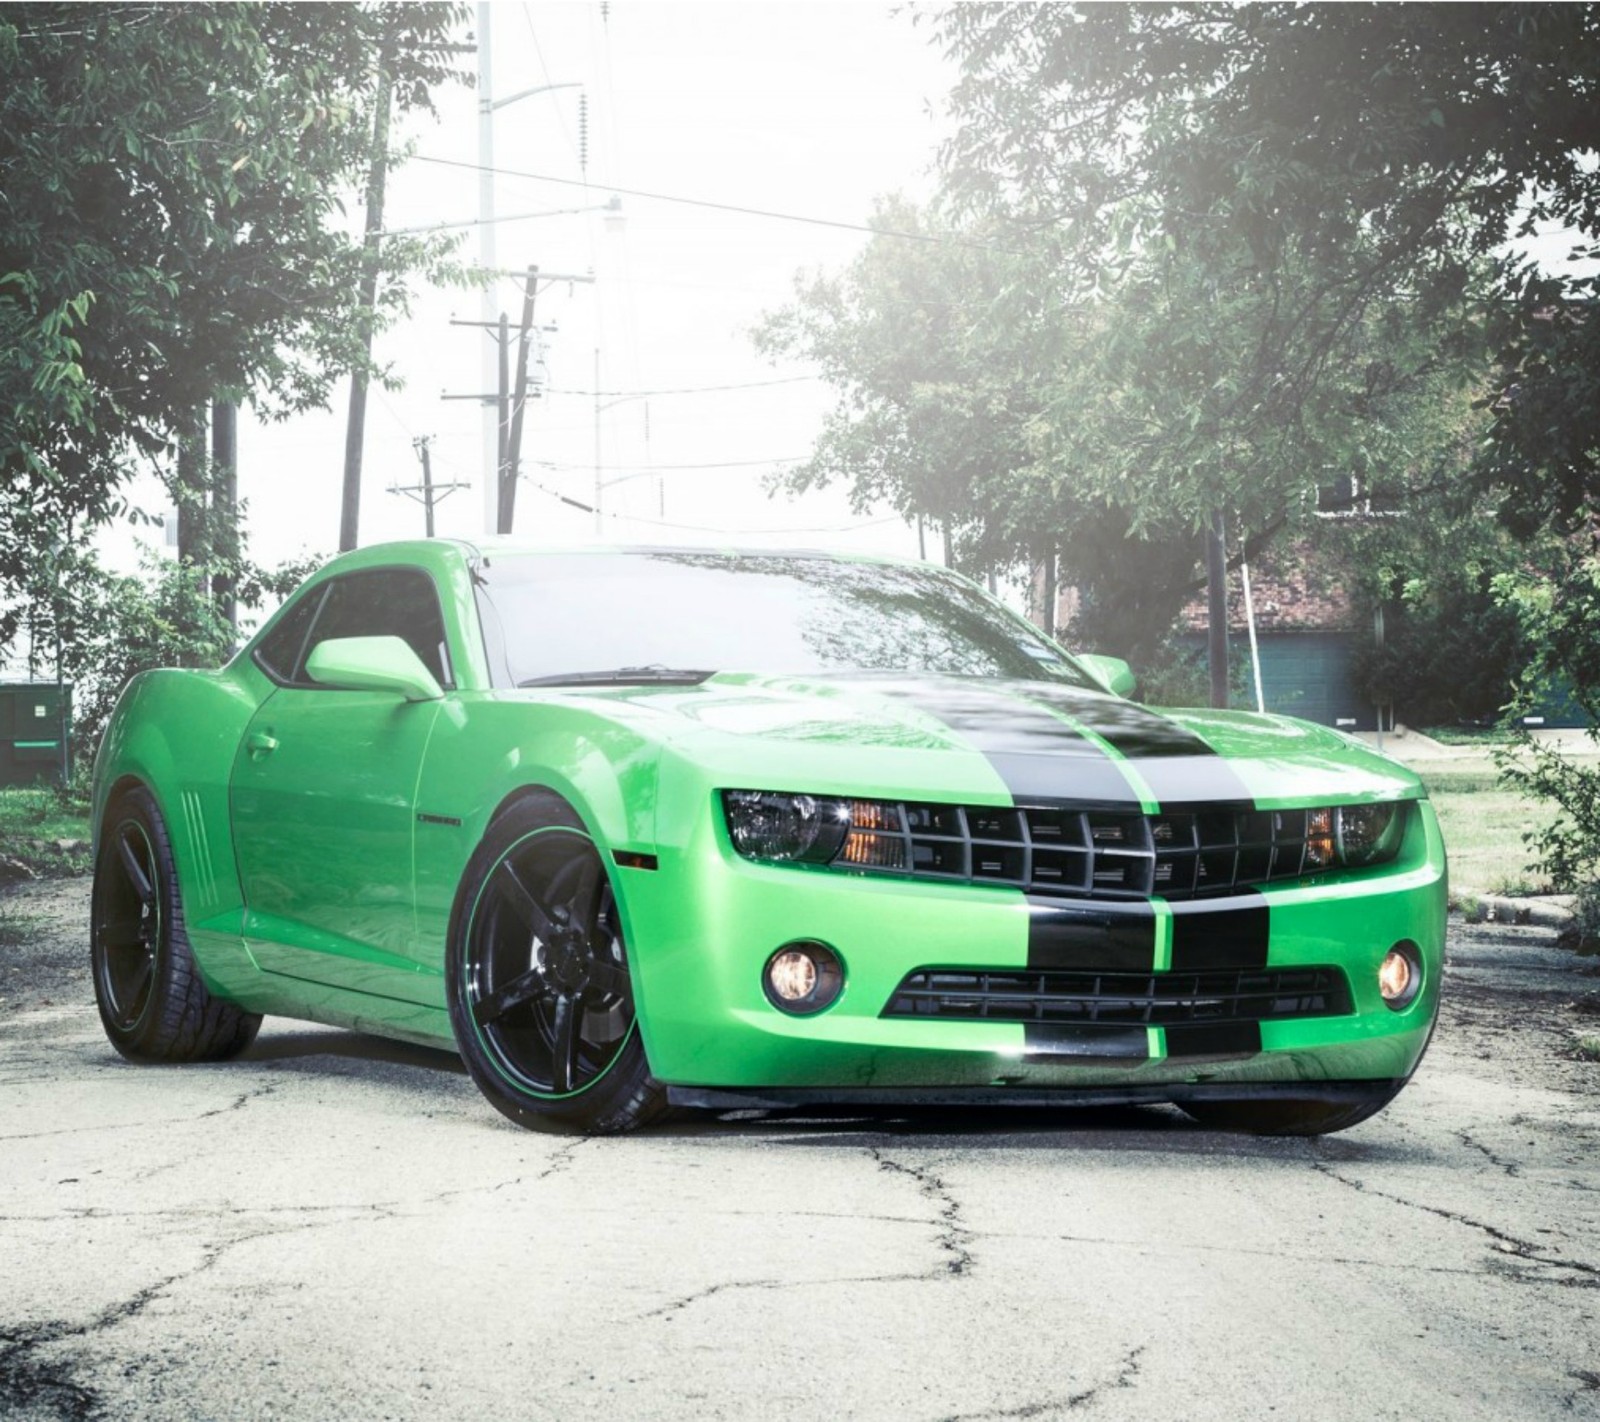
[1122, 999]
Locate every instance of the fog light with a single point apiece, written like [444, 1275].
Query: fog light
[802, 978]
[1400, 975]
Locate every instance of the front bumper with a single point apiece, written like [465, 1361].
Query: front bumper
[702, 925]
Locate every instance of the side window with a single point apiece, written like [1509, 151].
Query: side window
[279, 652]
[384, 602]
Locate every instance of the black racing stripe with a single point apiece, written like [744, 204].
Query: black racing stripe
[1036, 754]
[1215, 1040]
[1220, 933]
[1084, 1044]
[1102, 937]
[1180, 767]
[1136, 731]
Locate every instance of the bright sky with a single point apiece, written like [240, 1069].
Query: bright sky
[805, 108]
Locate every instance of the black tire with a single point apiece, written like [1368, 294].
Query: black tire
[153, 1003]
[1286, 1117]
[537, 978]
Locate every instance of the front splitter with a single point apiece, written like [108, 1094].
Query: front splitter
[1324, 1093]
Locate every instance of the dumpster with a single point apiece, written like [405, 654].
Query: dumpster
[35, 726]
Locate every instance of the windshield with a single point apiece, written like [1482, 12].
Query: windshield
[647, 615]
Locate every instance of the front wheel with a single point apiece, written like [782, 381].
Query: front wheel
[541, 998]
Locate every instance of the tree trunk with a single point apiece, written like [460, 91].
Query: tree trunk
[190, 491]
[1217, 609]
[224, 530]
[355, 431]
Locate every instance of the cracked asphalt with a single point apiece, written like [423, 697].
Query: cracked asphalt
[337, 1227]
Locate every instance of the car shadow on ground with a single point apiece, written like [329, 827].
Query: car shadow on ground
[359, 1046]
[1155, 1128]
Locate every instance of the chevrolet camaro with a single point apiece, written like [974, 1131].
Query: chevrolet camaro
[638, 828]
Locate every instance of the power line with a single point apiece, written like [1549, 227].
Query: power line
[722, 206]
[679, 389]
[707, 528]
[658, 468]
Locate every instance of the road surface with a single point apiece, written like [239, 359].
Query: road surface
[337, 1227]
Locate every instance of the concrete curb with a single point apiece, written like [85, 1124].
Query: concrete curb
[1536, 913]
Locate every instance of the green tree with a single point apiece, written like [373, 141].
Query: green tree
[172, 229]
[947, 355]
[981, 386]
[1392, 151]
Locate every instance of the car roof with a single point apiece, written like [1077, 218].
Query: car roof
[427, 551]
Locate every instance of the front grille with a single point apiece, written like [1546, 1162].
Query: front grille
[1122, 999]
[1081, 853]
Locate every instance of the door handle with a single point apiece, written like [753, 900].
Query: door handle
[259, 743]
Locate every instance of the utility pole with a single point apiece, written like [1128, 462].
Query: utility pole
[519, 401]
[486, 246]
[506, 408]
[599, 488]
[427, 493]
[350, 511]
[494, 434]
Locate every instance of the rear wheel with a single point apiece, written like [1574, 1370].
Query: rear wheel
[1286, 1117]
[153, 1003]
[541, 998]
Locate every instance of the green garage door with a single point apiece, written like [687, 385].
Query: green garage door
[35, 719]
[1307, 674]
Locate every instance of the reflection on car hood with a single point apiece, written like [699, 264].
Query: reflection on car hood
[1039, 739]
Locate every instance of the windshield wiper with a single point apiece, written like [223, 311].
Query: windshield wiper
[623, 676]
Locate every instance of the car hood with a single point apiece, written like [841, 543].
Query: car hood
[929, 737]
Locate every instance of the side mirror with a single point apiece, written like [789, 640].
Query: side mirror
[372, 664]
[1111, 672]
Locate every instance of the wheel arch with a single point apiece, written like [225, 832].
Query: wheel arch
[175, 733]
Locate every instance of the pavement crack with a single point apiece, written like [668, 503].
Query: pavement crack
[1511, 1167]
[1588, 1383]
[1577, 1274]
[1126, 1375]
[562, 1158]
[678, 1305]
[30, 1377]
[954, 1237]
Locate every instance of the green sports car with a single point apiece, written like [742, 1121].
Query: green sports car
[635, 828]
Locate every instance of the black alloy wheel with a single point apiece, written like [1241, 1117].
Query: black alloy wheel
[127, 927]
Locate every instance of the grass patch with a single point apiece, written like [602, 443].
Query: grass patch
[41, 812]
[16, 928]
[1467, 735]
[1483, 823]
[34, 819]
[1587, 1048]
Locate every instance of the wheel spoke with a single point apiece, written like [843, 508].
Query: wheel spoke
[139, 980]
[564, 1043]
[525, 904]
[521, 989]
[609, 978]
[137, 877]
[583, 908]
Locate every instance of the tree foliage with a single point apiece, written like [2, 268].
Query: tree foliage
[172, 227]
[1390, 150]
[97, 628]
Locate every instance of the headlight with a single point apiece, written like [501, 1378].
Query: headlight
[1370, 834]
[766, 824]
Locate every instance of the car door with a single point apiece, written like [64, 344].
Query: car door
[323, 795]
